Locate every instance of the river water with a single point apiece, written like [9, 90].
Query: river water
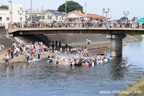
[43, 79]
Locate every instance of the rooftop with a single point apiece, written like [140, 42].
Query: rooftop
[80, 13]
[55, 12]
[94, 16]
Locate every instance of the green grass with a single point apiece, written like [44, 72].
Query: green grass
[139, 37]
[137, 87]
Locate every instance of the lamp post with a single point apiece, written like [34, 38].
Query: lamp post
[11, 13]
[126, 14]
[20, 12]
[106, 11]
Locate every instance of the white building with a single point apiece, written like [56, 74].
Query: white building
[52, 15]
[35, 14]
[4, 16]
[18, 15]
[77, 15]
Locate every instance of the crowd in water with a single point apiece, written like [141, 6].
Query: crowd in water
[77, 57]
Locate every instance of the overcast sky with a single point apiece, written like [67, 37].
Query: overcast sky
[135, 7]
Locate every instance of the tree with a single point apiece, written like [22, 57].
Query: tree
[71, 6]
[4, 7]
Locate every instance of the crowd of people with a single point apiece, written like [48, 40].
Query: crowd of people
[30, 50]
[77, 57]
[75, 24]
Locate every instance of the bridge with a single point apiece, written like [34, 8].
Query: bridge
[115, 34]
[118, 31]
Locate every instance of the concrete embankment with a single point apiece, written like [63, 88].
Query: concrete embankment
[106, 43]
[3, 40]
[21, 58]
[98, 41]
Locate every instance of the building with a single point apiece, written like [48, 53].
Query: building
[95, 17]
[4, 16]
[18, 13]
[52, 15]
[36, 15]
[14, 14]
[77, 15]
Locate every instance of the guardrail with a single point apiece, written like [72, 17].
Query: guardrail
[76, 25]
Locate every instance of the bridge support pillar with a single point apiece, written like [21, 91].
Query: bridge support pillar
[116, 45]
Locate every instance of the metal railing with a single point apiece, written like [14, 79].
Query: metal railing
[76, 25]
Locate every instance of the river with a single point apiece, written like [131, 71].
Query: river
[43, 79]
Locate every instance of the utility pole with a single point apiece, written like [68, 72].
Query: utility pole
[31, 11]
[66, 9]
[42, 16]
[11, 13]
[103, 13]
[85, 10]
[20, 12]
[65, 6]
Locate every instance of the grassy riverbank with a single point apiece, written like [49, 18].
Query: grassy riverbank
[136, 89]
[139, 37]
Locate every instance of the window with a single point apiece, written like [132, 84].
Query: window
[0, 18]
[49, 17]
[7, 18]
[26, 17]
[43, 17]
[56, 17]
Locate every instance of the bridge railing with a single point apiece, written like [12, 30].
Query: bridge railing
[77, 25]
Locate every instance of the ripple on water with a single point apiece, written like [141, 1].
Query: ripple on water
[43, 79]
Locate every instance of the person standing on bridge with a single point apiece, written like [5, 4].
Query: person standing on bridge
[56, 43]
[0, 48]
[59, 43]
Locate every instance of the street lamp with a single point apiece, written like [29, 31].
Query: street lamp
[106, 11]
[126, 14]
[20, 12]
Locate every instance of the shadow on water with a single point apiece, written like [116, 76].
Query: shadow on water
[116, 71]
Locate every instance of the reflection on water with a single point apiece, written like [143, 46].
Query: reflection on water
[43, 79]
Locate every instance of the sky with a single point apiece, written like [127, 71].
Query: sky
[117, 7]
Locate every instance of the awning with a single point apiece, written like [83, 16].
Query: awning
[140, 20]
